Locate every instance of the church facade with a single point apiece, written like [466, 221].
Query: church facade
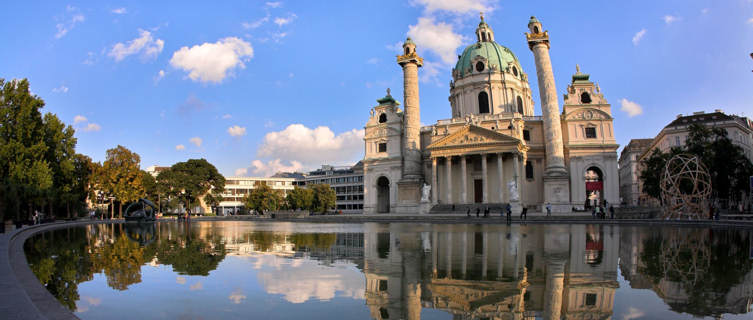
[494, 149]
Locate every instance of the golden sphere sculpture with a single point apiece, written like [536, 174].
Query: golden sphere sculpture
[685, 188]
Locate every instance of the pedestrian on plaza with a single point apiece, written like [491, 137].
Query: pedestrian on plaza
[468, 213]
[509, 213]
[453, 207]
[35, 217]
[548, 209]
[593, 212]
[486, 212]
[611, 211]
[478, 210]
[524, 213]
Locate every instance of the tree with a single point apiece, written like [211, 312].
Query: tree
[324, 198]
[263, 198]
[727, 165]
[121, 177]
[300, 198]
[25, 176]
[189, 181]
[60, 157]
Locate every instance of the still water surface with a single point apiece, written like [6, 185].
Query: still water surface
[241, 270]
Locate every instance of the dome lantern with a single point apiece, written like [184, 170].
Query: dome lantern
[484, 33]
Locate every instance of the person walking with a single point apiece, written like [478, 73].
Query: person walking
[509, 213]
[478, 210]
[468, 213]
[486, 212]
[524, 213]
[611, 212]
[548, 209]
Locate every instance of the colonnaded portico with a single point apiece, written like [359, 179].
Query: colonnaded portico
[476, 165]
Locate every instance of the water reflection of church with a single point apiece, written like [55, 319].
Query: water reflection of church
[493, 272]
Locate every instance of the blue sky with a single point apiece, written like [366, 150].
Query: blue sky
[260, 86]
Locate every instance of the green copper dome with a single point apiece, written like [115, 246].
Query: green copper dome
[496, 56]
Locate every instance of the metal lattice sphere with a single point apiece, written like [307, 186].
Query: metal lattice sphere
[685, 187]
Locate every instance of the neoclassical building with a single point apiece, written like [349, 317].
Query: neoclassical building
[494, 149]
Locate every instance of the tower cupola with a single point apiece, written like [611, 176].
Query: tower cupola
[409, 47]
[484, 33]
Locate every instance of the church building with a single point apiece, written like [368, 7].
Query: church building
[494, 149]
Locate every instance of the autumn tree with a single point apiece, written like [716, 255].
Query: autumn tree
[120, 176]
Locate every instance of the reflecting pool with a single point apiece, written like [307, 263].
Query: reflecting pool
[241, 270]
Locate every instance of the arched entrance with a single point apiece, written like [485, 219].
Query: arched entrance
[383, 195]
[594, 187]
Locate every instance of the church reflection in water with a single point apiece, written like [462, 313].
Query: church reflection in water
[494, 272]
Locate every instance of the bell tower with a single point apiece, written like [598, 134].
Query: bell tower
[556, 178]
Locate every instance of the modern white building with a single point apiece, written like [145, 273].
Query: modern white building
[347, 182]
[236, 188]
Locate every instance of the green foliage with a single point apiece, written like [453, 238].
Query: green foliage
[300, 198]
[727, 165]
[192, 256]
[263, 198]
[313, 240]
[324, 198]
[189, 181]
[25, 174]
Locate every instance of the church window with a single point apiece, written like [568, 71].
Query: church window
[483, 36]
[590, 299]
[520, 105]
[483, 102]
[535, 29]
[529, 170]
[677, 141]
[526, 135]
[383, 118]
[479, 66]
[382, 147]
[515, 71]
[591, 133]
[585, 97]
[407, 51]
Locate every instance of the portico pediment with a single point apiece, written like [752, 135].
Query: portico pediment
[473, 136]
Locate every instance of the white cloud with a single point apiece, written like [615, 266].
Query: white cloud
[297, 147]
[92, 127]
[274, 166]
[79, 118]
[72, 17]
[60, 89]
[119, 11]
[437, 37]
[212, 62]
[396, 47]
[255, 24]
[179, 148]
[750, 20]
[633, 313]
[280, 21]
[668, 19]
[373, 61]
[236, 131]
[237, 296]
[159, 76]
[226, 116]
[275, 4]
[633, 109]
[196, 141]
[638, 36]
[431, 72]
[241, 172]
[456, 6]
[302, 280]
[145, 43]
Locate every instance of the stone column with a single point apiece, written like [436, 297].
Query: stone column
[434, 257]
[484, 180]
[501, 257]
[501, 174]
[448, 164]
[463, 180]
[412, 116]
[555, 279]
[434, 185]
[464, 267]
[485, 256]
[449, 255]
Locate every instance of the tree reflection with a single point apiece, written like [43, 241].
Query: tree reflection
[695, 270]
[191, 256]
[120, 260]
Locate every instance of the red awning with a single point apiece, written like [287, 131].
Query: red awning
[594, 186]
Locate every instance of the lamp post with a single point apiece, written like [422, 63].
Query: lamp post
[112, 208]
